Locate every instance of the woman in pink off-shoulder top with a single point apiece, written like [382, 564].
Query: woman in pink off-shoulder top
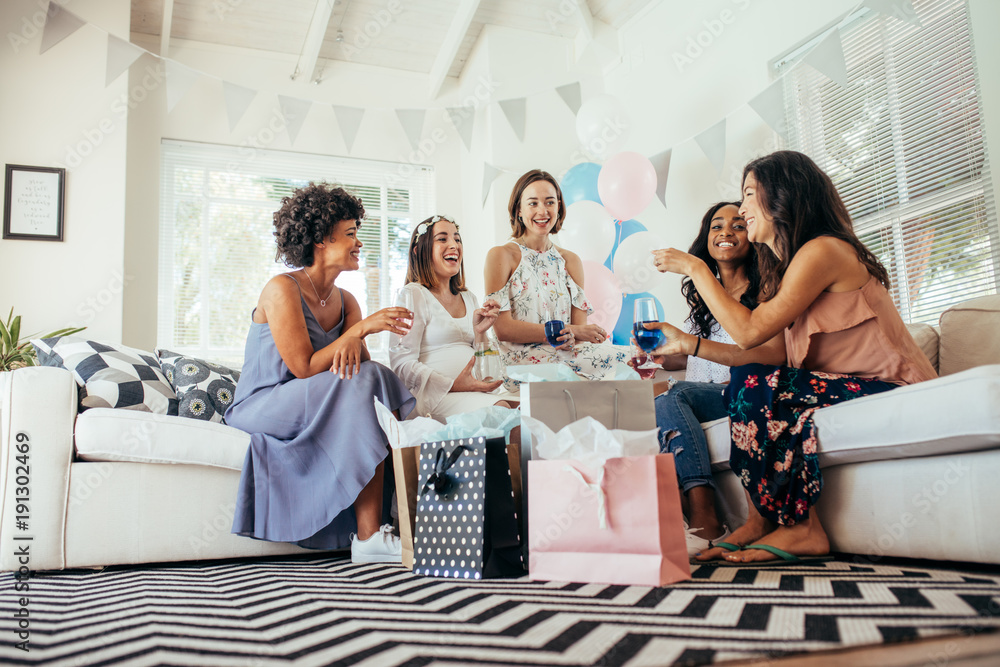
[828, 295]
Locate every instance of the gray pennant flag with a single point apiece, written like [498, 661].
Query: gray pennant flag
[464, 120]
[121, 55]
[661, 163]
[412, 121]
[828, 58]
[898, 9]
[349, 120]
[179, 81]
[59, 24]
[490, 174]
[294, 111]
[570, 94]
[713, 143]
[770, 106]
[514, 110]
[238, 100]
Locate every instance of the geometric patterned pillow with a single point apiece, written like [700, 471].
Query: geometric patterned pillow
[204, 390]
[111, 376]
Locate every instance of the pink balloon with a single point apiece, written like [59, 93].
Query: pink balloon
[626, 184]
[603, 293]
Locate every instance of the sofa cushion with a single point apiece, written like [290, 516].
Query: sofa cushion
[204, 390]
[951, 414]
[112, 376]
[123, 435]
[969, 335]
[926, 337]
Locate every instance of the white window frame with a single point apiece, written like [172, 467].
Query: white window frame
[416, 180]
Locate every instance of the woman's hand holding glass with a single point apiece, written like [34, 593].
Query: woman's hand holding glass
[484, 316]
[588, 333]
[672, 260]
[674, 341]
[466, 381]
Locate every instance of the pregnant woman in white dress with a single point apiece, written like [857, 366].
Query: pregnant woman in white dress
[447, 321]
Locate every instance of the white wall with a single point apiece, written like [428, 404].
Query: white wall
[56, 111]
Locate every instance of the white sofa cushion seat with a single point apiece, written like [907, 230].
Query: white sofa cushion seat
[947, 415]
[106, 434]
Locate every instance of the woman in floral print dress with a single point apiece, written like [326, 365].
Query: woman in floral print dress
[827, 294]
[531, 276]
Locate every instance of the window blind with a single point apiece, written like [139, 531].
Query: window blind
[904, 143]
[217, 246]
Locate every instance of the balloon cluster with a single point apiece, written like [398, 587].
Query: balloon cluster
[601, 204]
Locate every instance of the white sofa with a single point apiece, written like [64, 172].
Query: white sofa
[912, 472]
[909, 473]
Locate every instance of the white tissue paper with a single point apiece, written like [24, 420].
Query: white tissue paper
[621, 371]
[409, 433]
[588, 441]
[492, 421]
[541, 373]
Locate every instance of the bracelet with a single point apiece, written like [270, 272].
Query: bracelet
[697, 347]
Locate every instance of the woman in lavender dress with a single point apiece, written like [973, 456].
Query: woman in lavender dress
[314, 469]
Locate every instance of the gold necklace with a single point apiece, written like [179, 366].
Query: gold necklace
[322, 302]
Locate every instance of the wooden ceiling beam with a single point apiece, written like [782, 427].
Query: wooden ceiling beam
[314, 39]
[452, 42]
[166, 26]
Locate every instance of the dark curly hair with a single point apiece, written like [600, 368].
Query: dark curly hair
[307, 218]
[804, 204]
[701, 317]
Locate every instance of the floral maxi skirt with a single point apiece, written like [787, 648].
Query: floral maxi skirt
[773, 435]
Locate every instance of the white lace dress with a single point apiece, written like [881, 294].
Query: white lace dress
[541, 281]
[440, 347]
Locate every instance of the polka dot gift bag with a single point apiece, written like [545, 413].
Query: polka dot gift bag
[466, 522]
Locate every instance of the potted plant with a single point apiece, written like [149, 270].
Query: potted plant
[15, 353]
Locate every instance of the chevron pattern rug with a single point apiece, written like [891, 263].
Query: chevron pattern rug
[327, 611]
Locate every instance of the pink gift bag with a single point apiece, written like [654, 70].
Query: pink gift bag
[620, 524]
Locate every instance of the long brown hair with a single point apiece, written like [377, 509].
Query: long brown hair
[803, 204]
[517, 225]
[420, 263]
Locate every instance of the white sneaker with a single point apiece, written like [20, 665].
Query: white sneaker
[696, 544]
[382, 547]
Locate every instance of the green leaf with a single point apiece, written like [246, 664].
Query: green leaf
[15, 329]
[7, 343]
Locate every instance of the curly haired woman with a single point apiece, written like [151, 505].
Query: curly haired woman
[313, 472]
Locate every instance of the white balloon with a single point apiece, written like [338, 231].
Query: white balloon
[602, 126]
[588, 230]
[633, 263]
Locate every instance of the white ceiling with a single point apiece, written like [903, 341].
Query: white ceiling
[433, 37]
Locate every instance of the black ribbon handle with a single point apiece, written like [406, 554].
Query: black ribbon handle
[440, 480]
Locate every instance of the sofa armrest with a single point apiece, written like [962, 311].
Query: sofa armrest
[38, 404]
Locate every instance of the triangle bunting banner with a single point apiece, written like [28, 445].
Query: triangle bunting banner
[490, 174]
[294, 112]
[515, 110]
[713, 142]
[121, 55]
[349, 120]
[179, 82]
[238, 100]
[661, 163]
[59, 24]
[412, 121]
[570, 94]
[464, 119]
[827, 58]
[770, 106]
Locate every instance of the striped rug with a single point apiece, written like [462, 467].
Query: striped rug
[327, 611]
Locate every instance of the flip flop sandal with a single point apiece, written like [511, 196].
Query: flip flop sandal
[785, 559]
[728, 546]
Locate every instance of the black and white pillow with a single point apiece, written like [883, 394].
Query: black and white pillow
[204, 390]
[111, 376]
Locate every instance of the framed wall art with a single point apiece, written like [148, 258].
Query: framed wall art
[33, 203]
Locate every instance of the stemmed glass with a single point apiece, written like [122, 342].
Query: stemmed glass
[404, 298]
[645, 312]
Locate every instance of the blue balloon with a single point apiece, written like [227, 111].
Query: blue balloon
[623, 230]
[623, 327]
[580, 183]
